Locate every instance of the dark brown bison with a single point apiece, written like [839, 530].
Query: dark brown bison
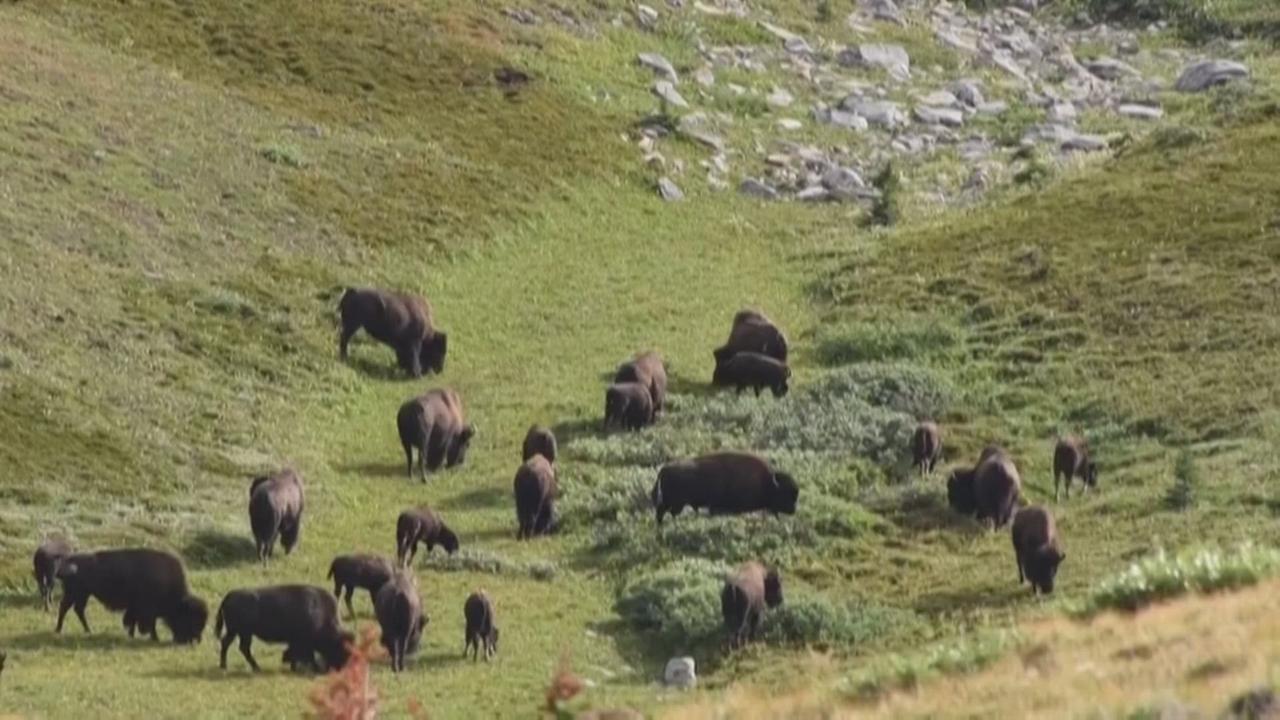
[146, 584]
[422, 525]
[1036, 549]
[539, 441]
[724, 483]
[436, 426]
[481, 630]
[744, 598]
[399, 609]
[1071, 459]
[535, 492]
[400, 320]
[926, 447]
[997, 488]
[960, 491]
[45, 564]
[628, 405]
[753, 370]
[368, 572]
[648, 370]
[752, 332]
[275, 511]
[302, 617]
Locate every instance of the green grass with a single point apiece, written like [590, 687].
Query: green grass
[188, 188]
[1163, 576]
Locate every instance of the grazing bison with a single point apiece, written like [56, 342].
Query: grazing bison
[753, 370]
[435, 425]
[481, 630]
[539, 441]
[368, 572]
[275, 511]
[400, 320]
[422, 525]
[744, 598]
[47, 558]
[752, 332]
[399, 609]
[1071, 459]
[628, 405]
[926, 447]
[960, 491]
[648, 370]
[303, 617]
[996, 488]
[146, 584]
[1036, 549]
[535, 491]
[724, 483]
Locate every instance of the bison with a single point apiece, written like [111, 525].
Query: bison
[435, 425]
[399, 320]
[539, 441]
[648, 370]
[996, 488]
[481, 630]
[752, 332]
[1036, 549]
[535, 491]
[926, 447]
[275, 511]
[724, 483]
[422, 525]
[146, 584]
[45, 563]
[303, 617]
[753, 370]
[744, 598]
[399, 610]
[628, 405]
[349, 572]
[1071, 459]
[960, 491]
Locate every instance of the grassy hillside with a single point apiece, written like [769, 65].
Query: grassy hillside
[187, 188]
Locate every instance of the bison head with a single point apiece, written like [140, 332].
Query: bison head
[773, 589]
[448, 540]
[457, 453]
[337, 651]
[432, 352]
[722, 356]
[1043, 567]
[782, 387]
[960, 492]
[783, 494]
[188, 620]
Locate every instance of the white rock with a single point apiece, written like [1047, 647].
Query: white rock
[1062, 113]
[878, 112]
[993, 107]
[781, 33]
[669, 191]
[665, 90]
[779, 98]
[758, 189]
[1086, 143]
[680, 673]
[659, 65]
[885, 10]
[893, 58]
[813, 194]
[797, 46]
[841, 178]
[790, 124]
[1006, 63]
[1142, 112]
[711, 140]
[841, 118]
[939, 116]
[646, 16]
[968, 92]
[1207, 73]
[940, 98]
[1110, 68]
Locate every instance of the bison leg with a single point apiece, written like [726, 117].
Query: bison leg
[227, 639]
[80, 605]
[349, 329]
[289, 534]
[408, 460]
[351, 590]
[758, 388]
[246, 642]
[63, 607]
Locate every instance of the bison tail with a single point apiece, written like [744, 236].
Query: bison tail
[332, 565]
[217, 624]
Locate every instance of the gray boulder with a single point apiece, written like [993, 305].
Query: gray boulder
[939, 116]
[659, 65]
[877, 112]
[669, 191]
[893, 58]
[1140, 112]
[680, 673]
[667, 92]
[1203, 75]
[1110, 68]
[757, 189]
[968, 92]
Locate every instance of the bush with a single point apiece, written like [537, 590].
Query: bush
[679, 602]
[593, 495]
[885, 212]
[486, 562]
[814, 620]
[1164, 576]
[964, 655]
[1186, 483]
[867, 342]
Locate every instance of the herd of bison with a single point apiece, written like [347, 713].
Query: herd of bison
[150, 585]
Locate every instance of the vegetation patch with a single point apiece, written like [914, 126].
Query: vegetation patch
[1164, 575]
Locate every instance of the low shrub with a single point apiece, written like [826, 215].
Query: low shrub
[486, 562]
[814, 620]
[679, 602]
[963, 655]
[1164, 576]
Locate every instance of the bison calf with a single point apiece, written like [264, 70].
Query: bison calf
[926, 447]
[1036, 549]
[648, 370]
[435, 425]
[275, 511]
[753, 370]
[1071, 459]
[744, 598]
[399, 610]
[45, 564]
[723, 483]
[303, 617]
[481, 630]
[422, 525]
[146, 584]
[535, 491]
[539, 441]
[628, 405]
[368, 572]
[400, 320]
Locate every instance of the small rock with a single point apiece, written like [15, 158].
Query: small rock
[797, 46]
[878, 112]
[885, 10]
[1110, 68]
[1203, 75]
[993, 107]
[956, 41]
[778, 159]
[779, 98]
[968, 92]
[659, 65]
[790, 124]
[669, 191]
[758, 189]
[893, 58]
[1085, 143]
[939, 116]
[1141, 112]
[680, 672]
[841, 178]
[843, 119]
[1062, 113]
[711, 140]
[1007, 64]
[704, 77]
[781, 33]
[667, 92]
[1128, 46]
[646, 16]
[940, 98]
[813, 194]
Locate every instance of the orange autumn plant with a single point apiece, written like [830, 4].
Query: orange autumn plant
[349, 694]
